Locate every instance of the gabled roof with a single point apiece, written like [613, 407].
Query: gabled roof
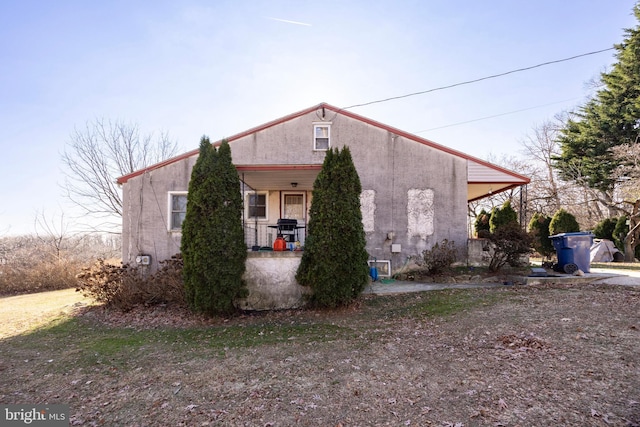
[483, 178]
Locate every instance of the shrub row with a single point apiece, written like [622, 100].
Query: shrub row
[38, 277]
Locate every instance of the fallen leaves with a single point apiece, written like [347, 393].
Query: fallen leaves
[522, 342]
[513, 362]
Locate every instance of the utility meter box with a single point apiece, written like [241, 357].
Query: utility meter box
[143, 259]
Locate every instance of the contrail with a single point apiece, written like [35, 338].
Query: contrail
[289, 22]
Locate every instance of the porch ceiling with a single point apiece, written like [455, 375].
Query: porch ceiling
[280, 177]
[477, 191]
[274, 177]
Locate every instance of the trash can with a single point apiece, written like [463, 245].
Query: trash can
[573, 249]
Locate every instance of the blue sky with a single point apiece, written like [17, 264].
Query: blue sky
[220, 67]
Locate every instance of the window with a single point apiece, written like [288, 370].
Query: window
[177, 210]
[321, 136]
[257, 205]
[293, 206]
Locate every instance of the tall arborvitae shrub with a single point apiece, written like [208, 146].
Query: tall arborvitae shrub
[502, 216]
[563, 222]
[334, 262]
[213, 245]
[539, 229]
[193, 240]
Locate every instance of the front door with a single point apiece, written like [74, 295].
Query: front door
[293, 207]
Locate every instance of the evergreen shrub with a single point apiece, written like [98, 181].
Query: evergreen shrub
[563, 222]
[502, 216]
[212, 243]
[605, 229]
[539, 229]
[334, 262]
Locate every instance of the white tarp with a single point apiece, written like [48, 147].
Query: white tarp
[603, 250]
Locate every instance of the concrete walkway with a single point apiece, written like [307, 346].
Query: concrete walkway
[617, 276]
[596, 275]
[401, 287]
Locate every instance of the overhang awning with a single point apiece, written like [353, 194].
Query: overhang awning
[486, 179]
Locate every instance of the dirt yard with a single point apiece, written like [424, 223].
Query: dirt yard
[553, 355]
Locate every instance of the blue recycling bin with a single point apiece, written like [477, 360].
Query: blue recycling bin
[573, 248]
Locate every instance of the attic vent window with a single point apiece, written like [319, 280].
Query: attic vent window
[321, 136]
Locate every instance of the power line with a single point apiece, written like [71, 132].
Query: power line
[479, 80]
[495, 115]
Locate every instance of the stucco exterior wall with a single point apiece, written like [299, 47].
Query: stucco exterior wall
[145, 222]
[415, 194]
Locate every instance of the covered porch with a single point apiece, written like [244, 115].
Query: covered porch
[276, 202]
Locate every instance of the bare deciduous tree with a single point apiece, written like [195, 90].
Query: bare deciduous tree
[54, 237]
[541, 147]
[628, 189]
[547, 191]
[99, 153]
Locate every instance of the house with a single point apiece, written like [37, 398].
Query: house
[415, 192]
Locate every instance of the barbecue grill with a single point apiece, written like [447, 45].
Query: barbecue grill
[288, 228]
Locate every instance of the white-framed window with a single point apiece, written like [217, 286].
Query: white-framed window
[177, 209]
[321, 136]
[256, 205]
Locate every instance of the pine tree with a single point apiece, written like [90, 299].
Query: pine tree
[607, 120]
[334, 263]
[212, 244]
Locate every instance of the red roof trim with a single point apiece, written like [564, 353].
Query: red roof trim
[125, 178]
[267, 125]
[425, 141]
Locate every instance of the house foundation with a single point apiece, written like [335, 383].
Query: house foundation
[271, 281]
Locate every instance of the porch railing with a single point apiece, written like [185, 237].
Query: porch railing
[262, 234]
[259, 235]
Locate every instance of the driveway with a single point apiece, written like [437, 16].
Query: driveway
[618, 276]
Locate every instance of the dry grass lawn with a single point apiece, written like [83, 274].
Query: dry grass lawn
[21, 313]
[513, 356]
